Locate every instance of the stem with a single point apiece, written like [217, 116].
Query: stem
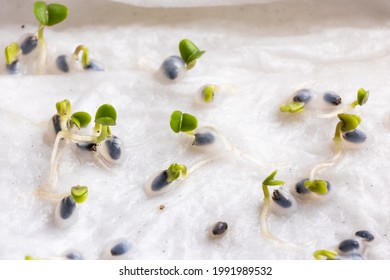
[354, 104]
[85, 57]
[322, 165]
[42, 54]
[199, 165]
[104, 133]
[337, 133]
[266, 191]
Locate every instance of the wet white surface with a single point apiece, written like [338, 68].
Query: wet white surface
[261, 53]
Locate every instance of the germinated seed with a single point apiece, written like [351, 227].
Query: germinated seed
[68, 205]
[160, 181]
[348, 245]
[94, 66]
[303, 95]
[203, 139]
[356, 136]
[172, 67]
[29, 44]
[280, 199]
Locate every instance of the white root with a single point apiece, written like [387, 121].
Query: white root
[328, 163]
[268, 234]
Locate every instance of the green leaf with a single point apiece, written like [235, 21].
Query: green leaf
[11, 53]
[40, 12]
[189, 123]
[79, 193]
[208, 93]
[362, 96]
[293, 107]
[106, 115]
[175, 121]
[81, 119]
[189, 51]
[350, 121]
[63, 108]
[316, 186]
[270, 181]
[56, 13]
[175, 171]
[182, 122]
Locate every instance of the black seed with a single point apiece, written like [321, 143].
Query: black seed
[160, 181]
[94, 66]
[29, 44]
[303, 95]
[219, 228]
[355, 136]
[332, 98]
[203, 139]
[281, 200]
[348, 245]
[13, 68]
[366, 235]
[62, 63]
[300, 187]
[172, 66]
[87, 146]
[56, 123]
[114, 147]
[68, 205]
[74, 256]
[120, 248]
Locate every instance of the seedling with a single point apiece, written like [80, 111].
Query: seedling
[106, 146]
[162, 181]
[298, 101]
[362, 97]
[11, 57]
[64, 120]
[211, 94]
[174, 67]
[47, 15]
[65, 214]
[348, 249]
[281, 202]
[66, 63]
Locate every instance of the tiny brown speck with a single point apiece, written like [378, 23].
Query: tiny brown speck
[162, 206]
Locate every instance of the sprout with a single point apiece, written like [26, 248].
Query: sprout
[325, 254]
[183, 122]
[347, 129]
[49, 15]
[64, 120]
[161, 182]
[298, 101]
[269, 181]
[362, 97]
[173, 68]
[12, 52]
[79, 193]
[65, 213]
